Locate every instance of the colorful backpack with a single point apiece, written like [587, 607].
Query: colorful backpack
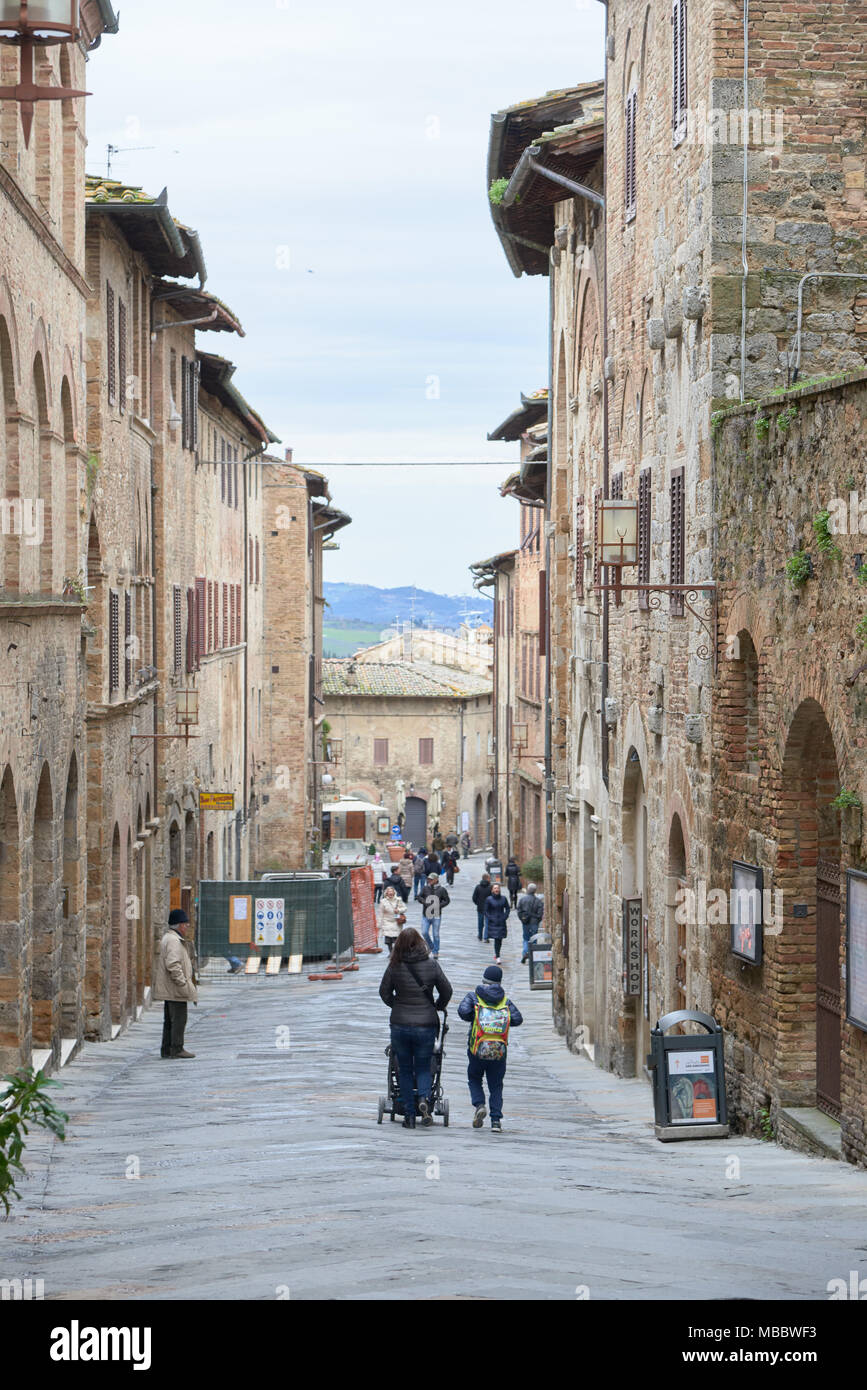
[490, 1031]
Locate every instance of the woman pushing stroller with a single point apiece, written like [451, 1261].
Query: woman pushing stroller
[407, 988]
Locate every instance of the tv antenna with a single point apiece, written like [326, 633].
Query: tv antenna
[111, 150]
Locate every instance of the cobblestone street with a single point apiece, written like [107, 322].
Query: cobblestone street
[263, 1173]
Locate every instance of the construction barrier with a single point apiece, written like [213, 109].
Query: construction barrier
[278, 920]
[363, 911]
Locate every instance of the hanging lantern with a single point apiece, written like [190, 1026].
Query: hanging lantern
[618, 532]
[26, 24]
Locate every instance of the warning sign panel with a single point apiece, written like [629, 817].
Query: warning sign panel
[269, 921]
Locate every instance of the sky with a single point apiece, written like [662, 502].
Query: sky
[333, 160]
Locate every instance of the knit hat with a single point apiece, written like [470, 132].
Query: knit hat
[494, 973]
[176, 916]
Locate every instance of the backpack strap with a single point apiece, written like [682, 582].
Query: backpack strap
[427, 990]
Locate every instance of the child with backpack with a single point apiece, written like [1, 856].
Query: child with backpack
[491, 1014]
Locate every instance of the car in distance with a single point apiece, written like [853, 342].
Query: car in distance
[346, 854]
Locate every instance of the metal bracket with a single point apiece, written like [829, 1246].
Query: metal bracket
[690, 592]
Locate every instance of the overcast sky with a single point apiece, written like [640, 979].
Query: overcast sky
[333, 160]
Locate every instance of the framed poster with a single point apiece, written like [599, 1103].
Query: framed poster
[382, 825]
[692, 1086]
[856, 948]
[745, 915]
[632, 947]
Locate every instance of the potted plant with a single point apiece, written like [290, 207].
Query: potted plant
[849, 806]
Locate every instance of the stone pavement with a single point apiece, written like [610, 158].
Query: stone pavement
[263, 1173]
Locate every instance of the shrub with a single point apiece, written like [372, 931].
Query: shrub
[25, 1100]
[533, 871]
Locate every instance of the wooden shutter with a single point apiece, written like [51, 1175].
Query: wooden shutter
[176, 615]
[222, 470]
[617, 487]
[543, 612]
[194, 406]
[579, 548]
[597, 568]
[644, 506]
[678, 68]
[630, 198]
[235, 465]
[425, 751]
[113, 641]
[225, 615]
[239, 614]
[678, 519]
[258, 571]
[191, 629]
[201, 645]
[111, 344]
[127, 634]
[121, 353]
[523, 663]
[380, 752]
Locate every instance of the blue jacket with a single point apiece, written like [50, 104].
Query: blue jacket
[491, 994]
[496, 911]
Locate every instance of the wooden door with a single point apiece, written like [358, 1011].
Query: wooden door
[828, 993]
[355, 825]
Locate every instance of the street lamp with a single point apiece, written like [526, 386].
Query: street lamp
[26, 23]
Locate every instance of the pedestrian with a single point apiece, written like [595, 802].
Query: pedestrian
[431, 864]
[405, 870]
[174, 984]
[481, 893]
[496, 911]
[378, 886]
[433, 899]
[490, 1014]
[407, 988]
[513, 880]
[419, 874]
[450, 865]
[391, 916]
[465, 844]
[394, 880]
[530, 912]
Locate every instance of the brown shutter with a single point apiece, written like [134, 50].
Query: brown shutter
[127, 634]
[597, 568]
[644, 505]
[579, 549]
[380, 752]
[629, 160]
[194, 406]
[111, 344]
[176, 614]
[225, 615]
[543, 613]
[191, 630]
[425, 751]
[200, 618]
[121, 352]
[678, 66]
[617, 487]
[239, 613]
[258, 573]
[222, 470]
[678, 520]
[113, 641]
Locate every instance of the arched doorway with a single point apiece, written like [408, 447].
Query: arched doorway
[415, 824]
[115, 973]
[676, 924]
[44, 941]
[808, 866]
[478, 822]
[14, 1003]
[489, 823]
[72, 948]
[633, 888]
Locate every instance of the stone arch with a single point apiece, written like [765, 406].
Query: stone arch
[71, 457]
[14, 1004]
[45, 481]
[646, 418]
[633, 733]
[479, 835]
[9, 442]
[642, 57]
[678, 943]
[45, 943]
[72, 961]
[740, 701]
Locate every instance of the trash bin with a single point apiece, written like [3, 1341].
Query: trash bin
[495, 869]
[541, 961]
[689, 1083]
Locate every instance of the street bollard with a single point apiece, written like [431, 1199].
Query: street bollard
[689, 1084]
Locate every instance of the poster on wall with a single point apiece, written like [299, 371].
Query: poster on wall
[692, 1087]
[745, 904]
[268, 926]
[856, 948]
[382, 825]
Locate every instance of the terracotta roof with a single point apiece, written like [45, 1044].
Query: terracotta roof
[532, 409]
[191, 303]
[409, 678]
[169, 247]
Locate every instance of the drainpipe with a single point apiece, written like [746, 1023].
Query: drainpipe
[744, 261]
[603, 727]
[246, 699]
[549, 817]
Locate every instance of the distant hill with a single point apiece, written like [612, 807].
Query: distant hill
[362, 605]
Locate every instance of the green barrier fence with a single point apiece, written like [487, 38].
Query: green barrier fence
[243, 918]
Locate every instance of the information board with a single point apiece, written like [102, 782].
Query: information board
[268, 924]
[856, 948]
[692, 1086]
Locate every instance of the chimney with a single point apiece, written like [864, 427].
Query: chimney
[288, 455]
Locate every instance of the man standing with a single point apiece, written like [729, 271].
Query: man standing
[465, 843]
[173, 983]
[530, 912]
[433, 899]
[491, 1015]
[481, 893]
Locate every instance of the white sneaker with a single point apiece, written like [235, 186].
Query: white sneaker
[479, 1117]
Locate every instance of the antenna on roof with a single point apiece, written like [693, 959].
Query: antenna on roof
[115, 149]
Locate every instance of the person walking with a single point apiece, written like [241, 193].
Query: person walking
[450, 865]
[433, 899]
[490, 1014]
[394, 880]
[513, 880]
[391, 916]
[419, 875]
[481, 893]
[431, 863]
[405, 870]
[496, 911]
[465, 844]
[531, 910]
[174, 984]
[407, 988]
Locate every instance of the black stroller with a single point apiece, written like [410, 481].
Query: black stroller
[392, 1105]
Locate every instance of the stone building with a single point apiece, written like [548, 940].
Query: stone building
[298, 521]
[415, 739]
[43, 459]
[660, 316]
[469, 649]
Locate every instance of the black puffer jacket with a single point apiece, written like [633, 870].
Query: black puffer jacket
[408, 1000]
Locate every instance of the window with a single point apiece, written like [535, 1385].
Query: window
[211, 623]
[678, 70]
[236, 480]
[258, 572]
[176, 616]
[425, 751]
[189, 404]
[113, 641]
[121, 352]
[644, 510]
[239, 617]
[380, 752]
[111, 344]
[678, 517]
[222, 470]
[232, 638]
[192, 662]
[579, 549]
[127, 639]
[629, 195]
[201, 642]
[617, 487]
[225, 615]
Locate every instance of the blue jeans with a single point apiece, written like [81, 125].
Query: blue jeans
[413, 1050]
[481, 917]
[418, 882]
[493, 1072]
[530, 929]
[432, 929]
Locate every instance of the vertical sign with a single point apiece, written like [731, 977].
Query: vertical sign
[646, 965]
[856, 948]
[632, 955]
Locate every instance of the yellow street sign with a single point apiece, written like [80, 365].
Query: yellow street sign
[216, 801]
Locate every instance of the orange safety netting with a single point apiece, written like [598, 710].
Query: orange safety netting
[363, 912]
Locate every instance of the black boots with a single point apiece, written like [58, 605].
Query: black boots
[409, 1121]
